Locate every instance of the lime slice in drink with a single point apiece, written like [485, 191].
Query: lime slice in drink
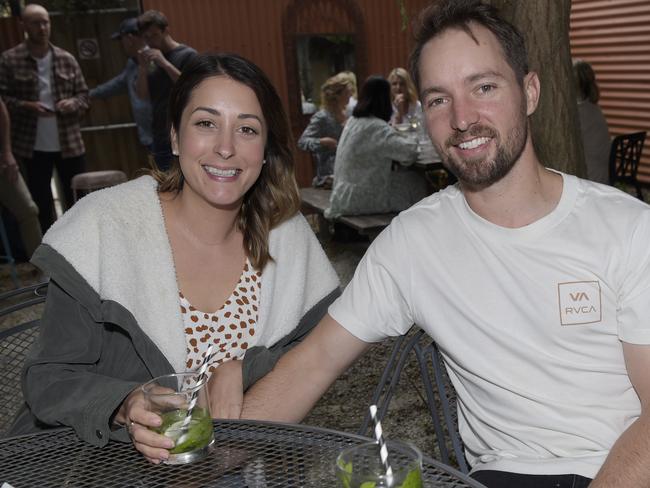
[195, 435]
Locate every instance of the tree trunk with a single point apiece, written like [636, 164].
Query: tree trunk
[555, 125]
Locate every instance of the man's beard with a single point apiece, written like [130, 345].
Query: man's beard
[480, 172]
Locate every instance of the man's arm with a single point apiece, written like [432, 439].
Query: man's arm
[301, 376]
[112, 87]
[628, 463]
[8, 166]
[78, 101]
[159, 58]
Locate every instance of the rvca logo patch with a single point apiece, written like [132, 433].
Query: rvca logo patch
[580, 302]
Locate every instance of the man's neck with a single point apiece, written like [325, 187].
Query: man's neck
[526, 194]
[37, 50]
[169, 44]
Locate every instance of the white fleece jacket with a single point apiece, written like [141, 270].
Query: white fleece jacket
[116, 239]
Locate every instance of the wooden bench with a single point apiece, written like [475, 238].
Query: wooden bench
[316, 200]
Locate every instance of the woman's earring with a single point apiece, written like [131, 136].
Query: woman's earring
[175, 153]
[264, 161]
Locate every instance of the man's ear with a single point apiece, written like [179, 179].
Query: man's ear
[531, 91]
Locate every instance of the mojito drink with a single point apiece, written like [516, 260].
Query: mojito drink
[197, 434]
[361, 467]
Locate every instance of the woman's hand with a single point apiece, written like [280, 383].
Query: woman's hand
[226, 390]
[402, 105]
[134, 414]
[328, 142]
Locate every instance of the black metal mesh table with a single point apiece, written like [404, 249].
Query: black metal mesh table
[248, 454]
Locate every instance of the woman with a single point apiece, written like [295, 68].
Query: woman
[593, 126]
[352, 102]
[321, 136]
[146, 274]
[363, 180]
[406, 106]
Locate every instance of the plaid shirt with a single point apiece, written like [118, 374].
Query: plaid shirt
[19, 82]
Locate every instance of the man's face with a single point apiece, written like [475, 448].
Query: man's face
[131, 44]
[476, 111]
[153, 36]
[36, 22]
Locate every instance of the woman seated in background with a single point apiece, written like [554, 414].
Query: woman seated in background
[321, 136]
[364, 182]
[406, 106]
[593, 126]
[352, 102]
[146, 274]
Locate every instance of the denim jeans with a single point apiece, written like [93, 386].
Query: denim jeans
[504, 479]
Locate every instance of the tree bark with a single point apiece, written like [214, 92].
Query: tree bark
[555, 124]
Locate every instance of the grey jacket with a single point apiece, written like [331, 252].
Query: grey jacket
[98, 343]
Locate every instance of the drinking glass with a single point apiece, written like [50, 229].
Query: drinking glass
[170, 396]
[361, 467]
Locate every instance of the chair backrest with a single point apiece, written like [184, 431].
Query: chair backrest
[439, 393]
[624, 157]
[15, 342]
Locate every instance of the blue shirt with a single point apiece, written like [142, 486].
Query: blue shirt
[125, 81]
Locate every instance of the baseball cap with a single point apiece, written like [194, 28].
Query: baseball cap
[128, 26]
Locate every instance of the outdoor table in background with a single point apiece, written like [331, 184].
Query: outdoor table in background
[248, 454]
[428, 161]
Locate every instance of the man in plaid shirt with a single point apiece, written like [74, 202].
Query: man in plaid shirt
[46, 94]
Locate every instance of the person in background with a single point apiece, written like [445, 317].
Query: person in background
[160, 63]
[593, 126]
[125, 82]
[14, 194]
[321, 135]
[364, 182]
[146, 274]
[406, 106]
[353, 97]
[534, 284]
[46, 95]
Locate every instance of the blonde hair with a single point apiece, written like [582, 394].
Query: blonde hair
[352, 78]
[274, 197]
[403, 75]
[332, 89]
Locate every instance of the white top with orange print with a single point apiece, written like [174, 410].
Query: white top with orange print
[231, 328]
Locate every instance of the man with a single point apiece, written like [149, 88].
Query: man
[46, 95]
[132, 42]
[535, 284]
[160, 65]
[14, 194]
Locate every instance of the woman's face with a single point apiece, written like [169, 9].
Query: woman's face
[397, 86]
[344, 97]
[221, 141]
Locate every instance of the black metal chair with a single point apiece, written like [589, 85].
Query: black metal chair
[624, 157]
[440, 394]
[15, 343]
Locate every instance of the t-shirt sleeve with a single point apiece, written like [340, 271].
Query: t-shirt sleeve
[634, 298]
[187, 54]
[374, 305]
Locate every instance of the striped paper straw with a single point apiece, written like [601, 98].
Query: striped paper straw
[383, 450]
[201, 372]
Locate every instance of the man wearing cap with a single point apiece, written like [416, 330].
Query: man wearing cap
[46, 95]
[132, 42]
[160, 65]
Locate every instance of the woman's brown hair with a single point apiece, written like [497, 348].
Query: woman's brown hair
[274, 197]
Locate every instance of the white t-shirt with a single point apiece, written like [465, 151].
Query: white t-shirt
[529, 320]
[47, 129]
